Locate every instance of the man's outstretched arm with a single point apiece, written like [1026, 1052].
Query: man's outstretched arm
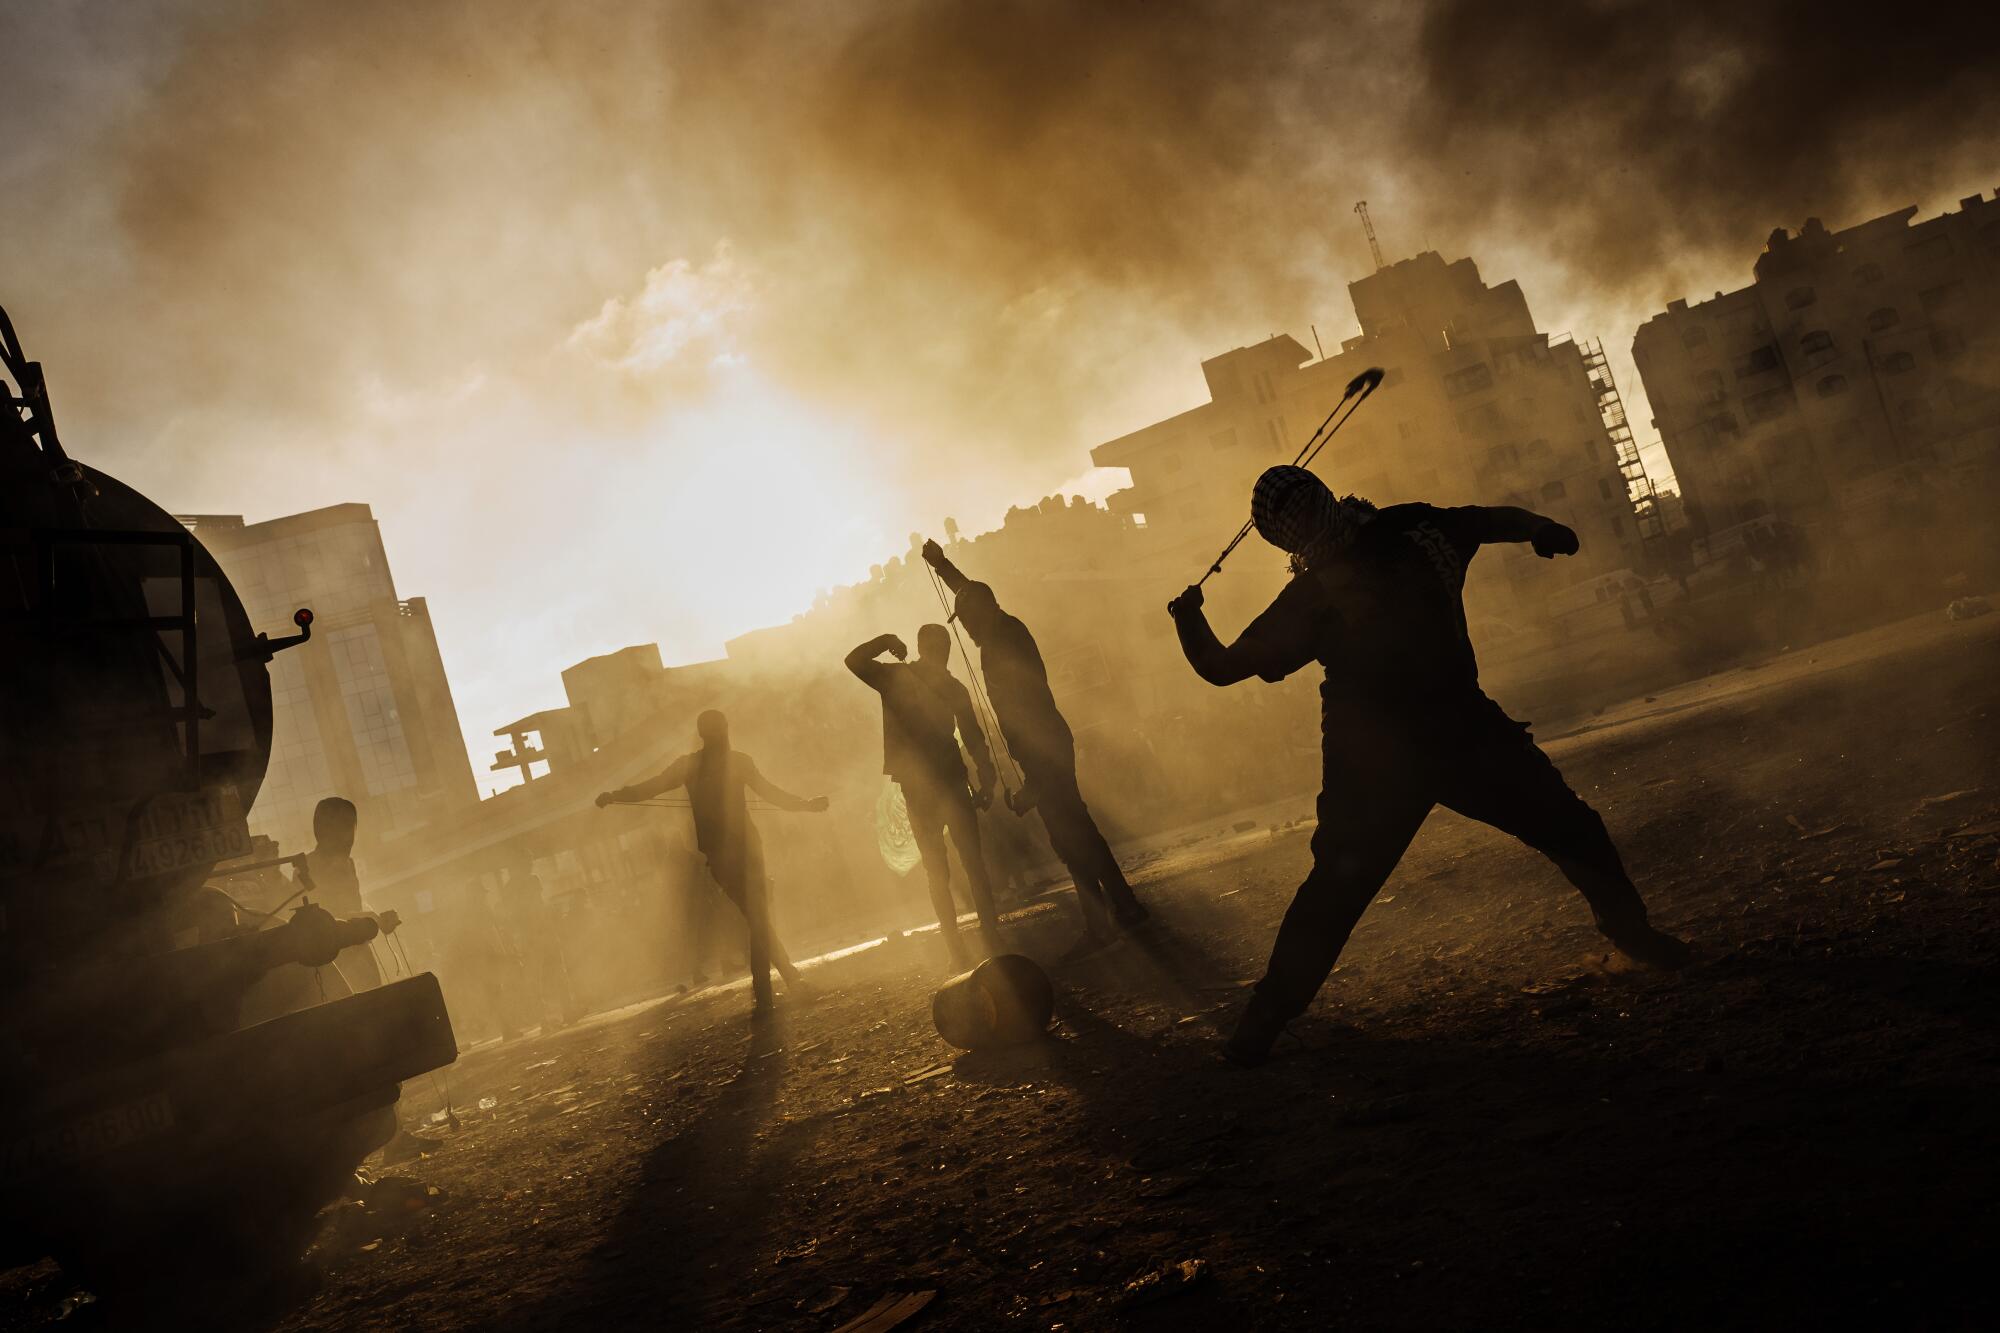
[675, 775]
[935, 557]
[1507, 523]
[1251, 654]
[863, 660]
[775, 794]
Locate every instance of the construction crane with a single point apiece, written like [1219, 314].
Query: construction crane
[1374, 246]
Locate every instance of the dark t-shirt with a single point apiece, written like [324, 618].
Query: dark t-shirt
[716, 780]
[1386, 618]
[1023, 705]
[923, 715]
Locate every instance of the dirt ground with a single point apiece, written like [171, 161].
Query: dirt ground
[1483, 1122]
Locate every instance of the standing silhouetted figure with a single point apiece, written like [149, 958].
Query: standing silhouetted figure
[1378, 601]
[717, 778]
[1042, 744]
[926, 712]
[338, 887]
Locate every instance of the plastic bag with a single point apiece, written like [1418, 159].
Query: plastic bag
[892, 830]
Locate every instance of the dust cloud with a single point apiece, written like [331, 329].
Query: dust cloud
[503, 268]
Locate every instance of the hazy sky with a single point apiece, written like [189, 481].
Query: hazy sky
[642, 321]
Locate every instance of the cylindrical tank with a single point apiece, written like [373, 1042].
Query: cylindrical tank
[104, 813]
[1004, 1001]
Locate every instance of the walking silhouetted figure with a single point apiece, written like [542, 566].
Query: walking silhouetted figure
[1378, 600]
[926, 713]
[1042, 744]
[717, 778]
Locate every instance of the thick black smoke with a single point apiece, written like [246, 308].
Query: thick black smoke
[972, 220]
[1648, 137]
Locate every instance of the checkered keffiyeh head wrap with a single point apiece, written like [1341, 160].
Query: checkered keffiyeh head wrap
[1294, 511]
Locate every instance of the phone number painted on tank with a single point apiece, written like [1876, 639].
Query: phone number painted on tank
[89, 1136]
[201, 847]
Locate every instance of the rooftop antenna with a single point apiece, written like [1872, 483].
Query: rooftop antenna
[1374, 246]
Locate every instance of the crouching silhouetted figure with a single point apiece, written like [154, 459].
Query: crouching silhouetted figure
[1378, 600]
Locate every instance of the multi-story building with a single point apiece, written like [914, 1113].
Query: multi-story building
[1858, 365]
[1477, 406]
[363, 710]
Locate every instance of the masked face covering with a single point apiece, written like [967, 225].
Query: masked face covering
[1294, 511]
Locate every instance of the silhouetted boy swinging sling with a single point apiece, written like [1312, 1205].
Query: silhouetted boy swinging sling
[716, 777]
[1378, 601]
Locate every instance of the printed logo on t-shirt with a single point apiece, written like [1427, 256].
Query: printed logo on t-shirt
[1443, 555]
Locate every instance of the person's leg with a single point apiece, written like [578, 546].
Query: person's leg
[695, 896]
[732, 874]
[963, 821]
[1094, 911]
[1502, 778]
[1366, 821]
[927, 817]
[1063, 801]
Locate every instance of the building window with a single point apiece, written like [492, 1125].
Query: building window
[1693, 336]
[1899, 363]
[1768, 405]
[1868, 273]
[1798, 298]
[1947, 342]
[1780, 449]
[1915, 412]
[1171, 463]
[1617, 526]
[1223, 439]
[1832, 386]
[1757, 361]
[1934, 246]
[1470, 380]
[1712, 390]
[1503, 455]
[1554, 490]
[1939, 297]
[1405, 429]
[1882, 317]
[1723, 423]
[1819, 340]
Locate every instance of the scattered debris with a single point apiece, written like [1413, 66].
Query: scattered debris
[797, 1252]
[407, 1147]
[1990, 828]
[1244, 825]
[895, 1308]
[922, 1075]
[825, 1301]
[1160, 1283]
[1966, 608]
[1808, 835]
[1949, 798]
[1379, 1111]
[488, 1103]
